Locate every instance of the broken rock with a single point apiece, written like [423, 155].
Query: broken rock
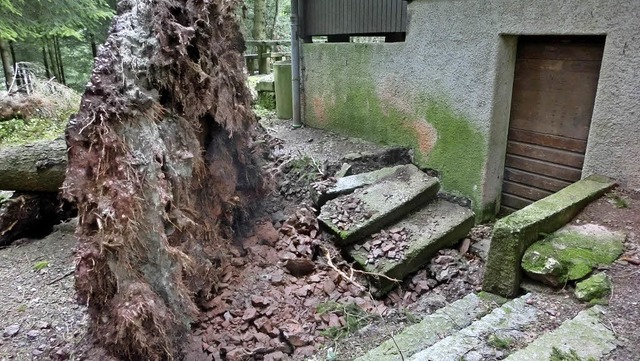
[11, 331]
[594, 288]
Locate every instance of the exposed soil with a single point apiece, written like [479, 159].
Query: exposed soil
[620, 211]
[287, 293]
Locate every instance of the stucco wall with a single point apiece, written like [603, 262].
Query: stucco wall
[446, 91]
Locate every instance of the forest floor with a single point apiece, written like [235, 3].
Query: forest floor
[270, 307]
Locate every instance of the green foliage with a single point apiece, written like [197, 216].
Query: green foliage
[40, 265]
[280, 29]
[303, 170]
[34, 19]
[572, 355]
[354, 316]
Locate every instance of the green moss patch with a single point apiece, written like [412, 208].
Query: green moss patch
[594, 289]
[345, 97]
[572, 253]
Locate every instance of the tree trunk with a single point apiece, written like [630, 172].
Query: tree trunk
[94, 47]
[56, 43]
[35, 167]
[259, 32]
[7, 68]
[159, 165]
[52, 60]
[46, 62]
[276, 10]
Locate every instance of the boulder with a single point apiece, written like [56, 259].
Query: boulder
[572, 253]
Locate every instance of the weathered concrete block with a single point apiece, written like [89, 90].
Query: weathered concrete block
[585, 335]
[571, 253]
[432, 328]
[348, 184]
[355, 216]
[513, 234]
[516, 314]
[438, 225]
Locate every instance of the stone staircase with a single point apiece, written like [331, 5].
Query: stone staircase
[391, 221]
[482, 327]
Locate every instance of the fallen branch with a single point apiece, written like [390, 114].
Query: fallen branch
[352, 271]
[61, 277]
[349, 278]
[375, 274]
[397, 347]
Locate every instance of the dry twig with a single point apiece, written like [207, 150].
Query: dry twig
[350, 277]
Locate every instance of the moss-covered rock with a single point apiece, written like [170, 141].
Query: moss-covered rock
[572, 253]
[546, 269]
[594, 288]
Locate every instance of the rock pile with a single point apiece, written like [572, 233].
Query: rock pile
[390, 244]
[346, 211]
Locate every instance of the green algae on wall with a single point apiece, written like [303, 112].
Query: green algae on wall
[342, 96]
[459, 153]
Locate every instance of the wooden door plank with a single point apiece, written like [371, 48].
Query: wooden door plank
[560, 113]
[563, 157]
[513, 201]
[524, 191]
[548, 140]
[536, 180]
[544, 168]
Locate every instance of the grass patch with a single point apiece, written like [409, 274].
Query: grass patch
[22, 308]
[40, 265]
[411, 317]
[572, 355]
[618, 201]
[304, 170]
[500, 343]
[354, 316]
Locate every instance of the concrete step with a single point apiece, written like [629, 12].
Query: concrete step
[585, 335]
[354, 216]
[435, 226]
[486, 338]
[434, 327]
[345, 185]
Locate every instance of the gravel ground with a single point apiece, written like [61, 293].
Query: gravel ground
[36, 284]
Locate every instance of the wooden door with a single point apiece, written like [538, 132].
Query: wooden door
[554, 90]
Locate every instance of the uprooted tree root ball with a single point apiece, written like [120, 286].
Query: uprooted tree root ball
[161, 169]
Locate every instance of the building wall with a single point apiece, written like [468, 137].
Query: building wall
[446, 91]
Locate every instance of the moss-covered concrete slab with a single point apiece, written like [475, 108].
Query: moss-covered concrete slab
[585, 336]
[432, 328]
[348, 184]
[377, 205]
[474, 342]
[571, 253]
[513, 234]
[437, 225]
